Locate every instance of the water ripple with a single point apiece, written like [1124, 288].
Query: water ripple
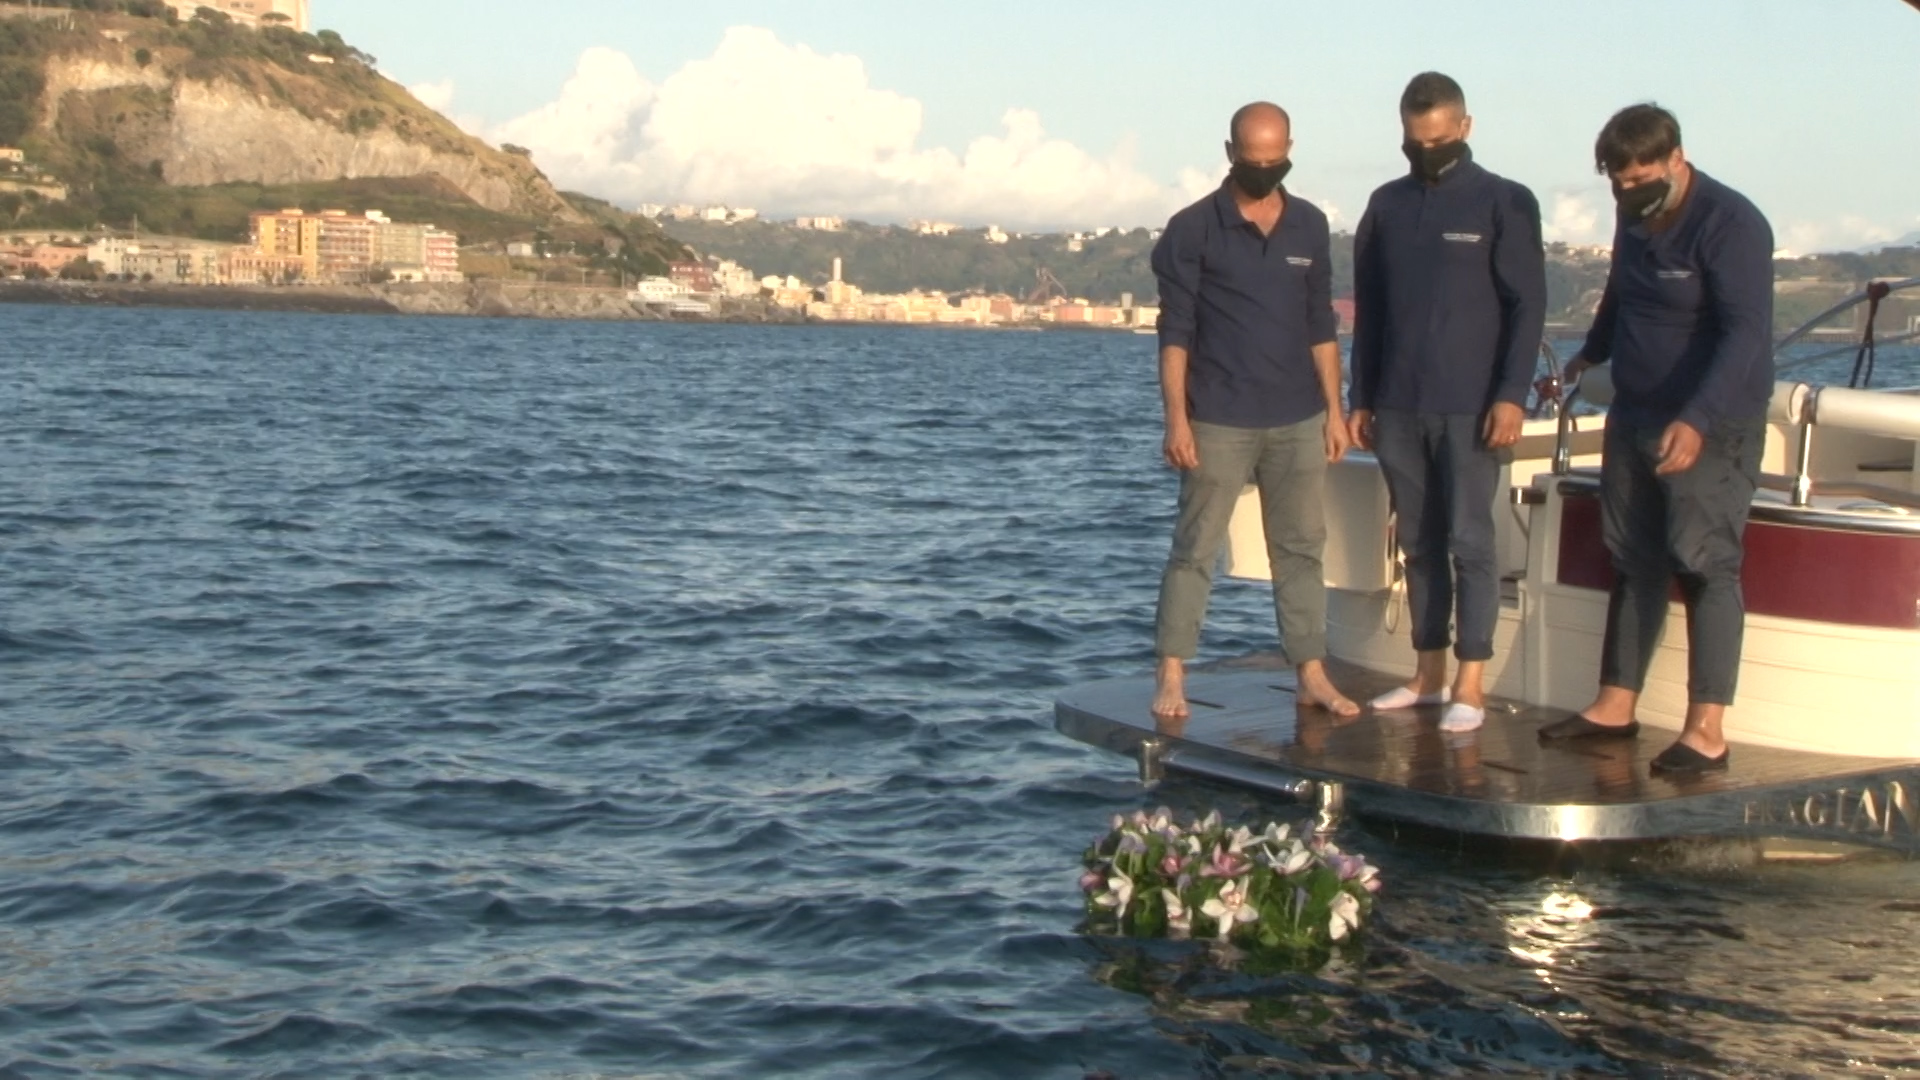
[471, 699]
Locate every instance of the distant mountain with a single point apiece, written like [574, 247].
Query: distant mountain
[1912, 239]
[891, 259]
[191, 125]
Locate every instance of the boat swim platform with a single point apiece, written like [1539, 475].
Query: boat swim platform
[1247, 729]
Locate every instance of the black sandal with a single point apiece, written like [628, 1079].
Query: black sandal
[1576, 726]
[1682, 759]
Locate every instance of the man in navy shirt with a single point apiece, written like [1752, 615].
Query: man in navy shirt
[1250, 379]
[1450, 293]
[1687, 322]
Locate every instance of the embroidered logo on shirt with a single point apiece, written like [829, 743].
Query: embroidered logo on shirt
[1461, 237]
[1673, 275]
[1295, 260]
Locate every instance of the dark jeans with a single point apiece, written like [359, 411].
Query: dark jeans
[1689, 527]
[1441, 478]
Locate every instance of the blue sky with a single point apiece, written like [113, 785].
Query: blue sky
[1069, 114]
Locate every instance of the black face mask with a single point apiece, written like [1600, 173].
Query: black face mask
[1644, 201]
[1430, 163]
[1259, 181]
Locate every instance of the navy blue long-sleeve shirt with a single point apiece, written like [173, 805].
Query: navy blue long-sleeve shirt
[1687, 316]
[1450, 294]
[1248, 309]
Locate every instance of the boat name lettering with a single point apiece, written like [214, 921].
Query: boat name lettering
[1878, 808]
[1461, 237]
[1296, 260]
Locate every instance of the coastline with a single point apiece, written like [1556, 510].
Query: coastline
[479, 299]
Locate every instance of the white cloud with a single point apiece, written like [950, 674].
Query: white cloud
[1577, 216]
[790, 131]
[439, 97]
[1845, 233]
[436, 96]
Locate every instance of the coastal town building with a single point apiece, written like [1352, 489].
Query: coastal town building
[735, 280]
[695, 277]
[291, 14]
[821, 224]
[17, 174]
[334, 246]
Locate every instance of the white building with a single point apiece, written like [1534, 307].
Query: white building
[519, 249]
[995, 236]
[657, 290]
[820, 224]
[732, 279]
[650, 210]
[291, 14]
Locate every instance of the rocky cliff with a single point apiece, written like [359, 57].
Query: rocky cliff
[204, 104]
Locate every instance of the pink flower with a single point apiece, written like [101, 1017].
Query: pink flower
[1091, 880]
[1170, 865]
[1224, 864]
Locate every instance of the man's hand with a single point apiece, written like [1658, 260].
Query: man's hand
[1679, 448]
[1570, 374]
[1502, 428]
[1360, 428]
[1179, 448]
[1337, 438]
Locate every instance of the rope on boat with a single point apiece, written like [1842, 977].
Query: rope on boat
[1862, 377]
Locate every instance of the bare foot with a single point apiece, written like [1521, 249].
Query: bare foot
[1317, 689]
[1170, 689]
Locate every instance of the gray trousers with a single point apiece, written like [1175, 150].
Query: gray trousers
[1687, 527]
[1441, 478]
[1290, 466]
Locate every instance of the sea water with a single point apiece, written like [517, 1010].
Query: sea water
[471, 698]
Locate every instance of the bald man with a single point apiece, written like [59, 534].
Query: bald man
[1250, 380]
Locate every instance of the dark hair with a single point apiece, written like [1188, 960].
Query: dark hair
[1637, 135]
[1431, 90]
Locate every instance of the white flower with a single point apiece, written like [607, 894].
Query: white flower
[1293, 860]
[1179, 919]
[1229, 908]
[1275, 836]
[1118, 895]
[1210, 822]
[1239, 839]
[1346, 915]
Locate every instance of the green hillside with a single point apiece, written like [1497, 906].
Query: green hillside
[115, 148]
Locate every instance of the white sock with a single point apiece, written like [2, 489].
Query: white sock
[1459, 717]
[1404, 697]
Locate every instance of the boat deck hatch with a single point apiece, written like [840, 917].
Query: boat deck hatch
[1247, 729]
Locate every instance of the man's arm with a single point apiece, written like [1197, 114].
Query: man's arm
[1176, 265]
[1323, 327]
[1598, 348]
[1326, 365]
[1178, 447]
[1368, 327]
[1520, 279]
[1737, 273]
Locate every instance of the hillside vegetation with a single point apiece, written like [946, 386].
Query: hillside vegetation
[190, 126]
[891, 259]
